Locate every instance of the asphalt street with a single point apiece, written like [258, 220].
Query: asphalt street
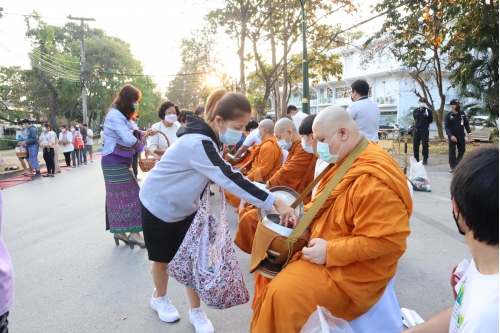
[70, 276]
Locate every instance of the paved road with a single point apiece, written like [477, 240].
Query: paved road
[70, 277]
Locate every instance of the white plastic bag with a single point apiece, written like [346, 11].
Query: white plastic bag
[322, 321]
[418, 176]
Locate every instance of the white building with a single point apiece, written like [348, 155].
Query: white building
[390, 85]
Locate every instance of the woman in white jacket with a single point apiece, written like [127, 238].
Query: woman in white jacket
[66, 144]
[47, 142]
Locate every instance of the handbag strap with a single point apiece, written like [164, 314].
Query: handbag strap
[313, 210]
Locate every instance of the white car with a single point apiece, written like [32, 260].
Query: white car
[481, 128]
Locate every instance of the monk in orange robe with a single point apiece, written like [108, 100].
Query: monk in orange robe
[357, 237]
[297, 173]
[266, 159]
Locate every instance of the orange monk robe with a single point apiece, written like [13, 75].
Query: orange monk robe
[297, 173]
[365, 222]
[267, 159]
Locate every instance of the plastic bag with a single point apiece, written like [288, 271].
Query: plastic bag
[322, 321]
[418, 176]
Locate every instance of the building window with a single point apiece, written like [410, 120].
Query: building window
[370, 91]
[343, 92]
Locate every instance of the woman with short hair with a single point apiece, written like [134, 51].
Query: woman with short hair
[168, 125]
[182, 118]
[66, 144]
[47, 143]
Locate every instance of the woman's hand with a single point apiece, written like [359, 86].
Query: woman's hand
[289, 217]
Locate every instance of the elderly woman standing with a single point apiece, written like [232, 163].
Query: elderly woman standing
[123, 208]
[168, 126]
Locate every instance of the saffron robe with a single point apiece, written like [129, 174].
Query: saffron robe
[266, 160]
[365, 221]
[297, 173]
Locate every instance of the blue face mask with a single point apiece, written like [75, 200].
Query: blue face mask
[44, 129]
[283, 144]
[231, 137]
[136, 106]
[308, 149]
[324, 151]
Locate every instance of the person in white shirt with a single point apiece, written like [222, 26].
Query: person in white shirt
[66, 143]
[295, 115]
[168, 125]
[251, 139]
[90, 141]
[474, 192]
[364, 111]
[102, 137]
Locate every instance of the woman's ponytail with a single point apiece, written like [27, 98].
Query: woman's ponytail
[211, 106]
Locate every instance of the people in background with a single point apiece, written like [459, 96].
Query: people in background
[423, 118]
[83, 132]
[90, 141]
[167, 125]
[47, 142]
[76, 153]
[364, 111]
[182, 118]
[21, 138]
[32, 146]
[101, 134]
[252, 124]
[66, 144]
[252, 138]
[456, 126]
[200, 112]
[135, 160]
[295, 115]
[474, 193]
[57, 166]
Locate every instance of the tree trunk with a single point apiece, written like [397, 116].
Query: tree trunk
[241, 48]
[277, 98]
[286, 27]
[53, 92]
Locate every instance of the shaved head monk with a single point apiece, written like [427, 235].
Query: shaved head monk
[266, 159]
[297, 173]
[357, 237]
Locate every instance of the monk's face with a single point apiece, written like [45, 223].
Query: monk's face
[283, 135]
[335, 139]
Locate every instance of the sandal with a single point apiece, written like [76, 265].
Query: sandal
[45, 176]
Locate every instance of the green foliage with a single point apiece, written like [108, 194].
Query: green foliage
[8, 142]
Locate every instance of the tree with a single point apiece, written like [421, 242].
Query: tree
[416, 36]
[473, 52]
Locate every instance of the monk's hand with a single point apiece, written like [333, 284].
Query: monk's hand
[316, 252]
[289, 217]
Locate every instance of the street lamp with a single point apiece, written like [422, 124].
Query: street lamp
[305, 77]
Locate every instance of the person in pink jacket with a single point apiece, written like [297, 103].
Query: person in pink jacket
[6, 279]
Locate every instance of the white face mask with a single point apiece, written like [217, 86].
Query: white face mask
[171, 118]
[323, 149]
[283, 144]
[72, 129]
[307, 149]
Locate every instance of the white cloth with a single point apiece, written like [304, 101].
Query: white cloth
[366, 114]
[320, 166]
[252, 138]
[384, 316]
[47, 138]
[158, 141]
[134, 125]
[297, 119]
[90, 141]
[69, 147]
[285, 155]
[476, 307]
[102, 137]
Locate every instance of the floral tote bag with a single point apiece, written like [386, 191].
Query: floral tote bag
[206, 260]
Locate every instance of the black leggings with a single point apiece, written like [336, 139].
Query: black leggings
[67, 157]
[48, 156]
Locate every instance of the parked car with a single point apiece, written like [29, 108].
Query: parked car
[481, 128]
[385, 130]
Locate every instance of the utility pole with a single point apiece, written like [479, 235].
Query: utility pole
[305, 76]
[82, 75]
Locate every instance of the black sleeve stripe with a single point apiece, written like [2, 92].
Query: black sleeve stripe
[235, 177]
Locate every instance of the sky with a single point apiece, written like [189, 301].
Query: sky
[153, 29]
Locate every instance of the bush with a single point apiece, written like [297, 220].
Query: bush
[8, 142]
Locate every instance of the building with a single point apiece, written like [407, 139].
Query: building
[390, 85]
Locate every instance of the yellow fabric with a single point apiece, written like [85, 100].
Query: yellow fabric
[365, 221]
[268, 159]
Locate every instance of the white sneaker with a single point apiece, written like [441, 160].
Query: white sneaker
[166, 310]
[199, 319]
